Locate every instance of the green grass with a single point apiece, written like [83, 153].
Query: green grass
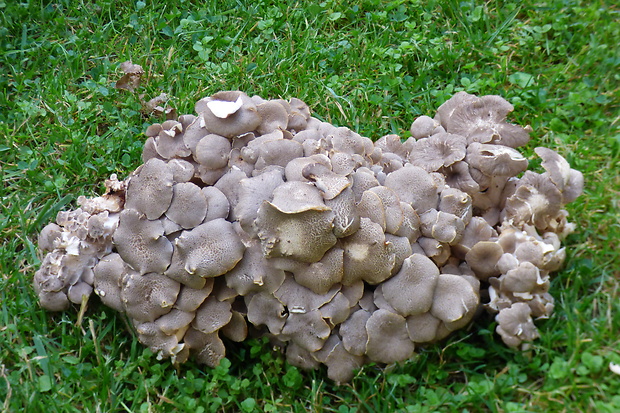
[371, 65]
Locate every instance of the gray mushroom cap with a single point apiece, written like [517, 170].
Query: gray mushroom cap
[210, 249]
[141, 243]
[107, 284]
[149, 296]
[437, 151]
[229, 113]
[189, 299]
[296, 224]
[353, 332]
[212, 151]
[455, 300]
[414, 186]
[483, 258]
[189, 205]
[329, 183]
[150, 190]
[410, 291]
[48, 235]
[483, 120]
[423, 126]
[209, 348]
[388, 340]
[346, 218]
[367, 255]
[494, 160]
[318, 276]
[273, 115]
[568, 181]
[341, 364]
[174, 321]
[515, 325]
[254, 273]
[212, 315]
[252, 192]
[265, 309]
[423, 328]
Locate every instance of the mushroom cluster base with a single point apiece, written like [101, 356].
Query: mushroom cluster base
[252, 217]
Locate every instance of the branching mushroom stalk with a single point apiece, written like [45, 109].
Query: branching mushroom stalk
[252, 214]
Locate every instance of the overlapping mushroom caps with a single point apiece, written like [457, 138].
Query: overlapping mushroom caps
[251, 214]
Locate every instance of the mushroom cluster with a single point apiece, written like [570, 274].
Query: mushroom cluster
[254, 216]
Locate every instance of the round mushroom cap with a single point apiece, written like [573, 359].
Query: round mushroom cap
[296, 224]
[48, 235]
[320, 276]
[212, 315]
[414, 186]
[229, 113]
[254, 272]
[265, 309]
[353, 332]
[437, 151]
[274, 116]
[189, 205]
[388, 340]
[455, 299]
[150, 190]
[483, 258]
[212, 151]
[367, 255]
[423, 126]
[109, 272]
[141, 243]
[411, 290]
[423, 328]
[515, 325]
[149, 296]
[210, 249]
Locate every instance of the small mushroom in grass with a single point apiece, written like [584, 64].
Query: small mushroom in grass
[251, 217]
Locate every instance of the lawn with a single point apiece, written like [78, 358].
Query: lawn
[370, 65]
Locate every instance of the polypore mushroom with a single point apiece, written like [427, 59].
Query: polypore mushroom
[254, 218]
